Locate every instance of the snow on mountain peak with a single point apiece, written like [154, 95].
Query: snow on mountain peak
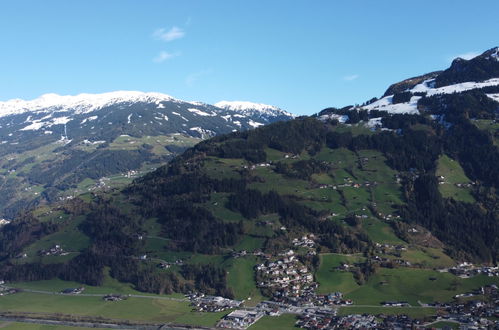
[250, 107]
[81, 103]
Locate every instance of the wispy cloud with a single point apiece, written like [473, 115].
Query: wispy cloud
[351, 77]
[163, 56]
[170, 35]
[466, 56]
[193, 77]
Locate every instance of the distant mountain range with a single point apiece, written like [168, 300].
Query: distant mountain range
[51, 144]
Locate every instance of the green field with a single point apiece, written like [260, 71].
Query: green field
[380, 232]
[489, 126]
[453, 174]
[283, 322]
[401, 284]
[34, 326]
[70, 238]
[413, 285]
[240, 278]
[442, 324]
[331, 280]
[427, 257]
[136, 309]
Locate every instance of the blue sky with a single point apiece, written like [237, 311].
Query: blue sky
[300, 55]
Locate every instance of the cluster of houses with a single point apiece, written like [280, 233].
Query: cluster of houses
[240, 319]
[239, 254]
[466, 270]
[319, 320]
[389, 247]
[400, 321]
[316, 319]
[131, 174]
[252, 167]
[4, 290]
[286, 277]
[348, 183]
[202, 303]
[56, 250]
[395, 304]
[306, 241]
[475, 314]
[114, 297]
[441, 180]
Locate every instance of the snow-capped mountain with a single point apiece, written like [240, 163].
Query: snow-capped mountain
[84, 116]
[477, 74]
[51, 144]
[264, 111]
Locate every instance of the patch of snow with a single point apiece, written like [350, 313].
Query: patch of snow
[60, 121]
[427, 87]
[93, 142]
[201, 113]
[81, 103]
[385, 104]
[176, 113]
[495, 97]
[254, 123]
[129, 118]
[238, 123]
[47, 132]
[34, 126]
[89, 119]
[340, 118]
[374, 122]
[251, 108]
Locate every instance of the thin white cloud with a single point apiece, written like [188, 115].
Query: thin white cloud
[163, 56]
[466, 56]
[170, 35]
[351, 77]
[193, 77]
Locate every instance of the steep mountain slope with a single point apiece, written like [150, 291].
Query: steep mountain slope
[54, 143]
[376, 204]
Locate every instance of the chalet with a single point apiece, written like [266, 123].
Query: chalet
[73, 290]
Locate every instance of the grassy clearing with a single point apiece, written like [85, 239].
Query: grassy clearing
[380, 231]
[250, 243]
[34, 326]
[443, 324]
[489, 126]
[125, 142]
[240, 278]
[413, 285]
[427, 257]
[139, 309]
[223, 168]
[331, 280]
[70, 239]
[216, 205]
[453, 174]
[283, 322]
